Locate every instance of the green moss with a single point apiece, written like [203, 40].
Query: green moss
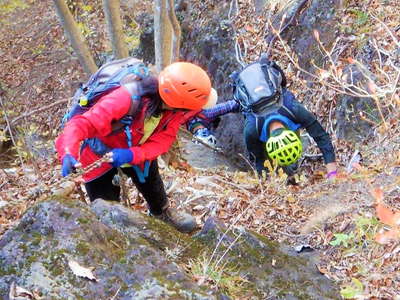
[55, 262]
[68, 202]
[83, 220]
[124, 286]
[60, 252]
[37, 238]
[123, 261]
[168, 238]
[8, 270]
[78, 297]
[23, 247]
[82, 248]
[31, 259]
[172, 286]
[66, 215]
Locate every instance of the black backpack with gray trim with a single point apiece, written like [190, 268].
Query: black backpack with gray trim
[258, 86]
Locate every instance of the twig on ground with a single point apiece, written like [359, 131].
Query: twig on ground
[234, 185]
[116, 293]
[43, 108]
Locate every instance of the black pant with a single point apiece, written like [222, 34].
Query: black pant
[152, 190]
[255, 148]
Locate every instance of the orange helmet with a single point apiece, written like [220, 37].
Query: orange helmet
[184, 85]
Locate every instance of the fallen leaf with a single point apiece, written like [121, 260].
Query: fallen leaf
[377, 193]
[322, 270]
[386, 237]
[259, 213]
[351, 60]
[80, 271]
[19, 293]
[387, 216]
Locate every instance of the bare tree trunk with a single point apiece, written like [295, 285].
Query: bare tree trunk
[176, 27]
[114, 25]
[75, 37]
[162, 35]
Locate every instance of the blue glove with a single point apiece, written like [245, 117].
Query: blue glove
[121, 157]
[206, 137]
[68, 165]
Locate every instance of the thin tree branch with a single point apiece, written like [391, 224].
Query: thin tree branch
[43, 108]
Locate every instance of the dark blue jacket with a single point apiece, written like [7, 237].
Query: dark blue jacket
[292, 114]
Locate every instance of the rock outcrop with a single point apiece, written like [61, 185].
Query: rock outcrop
[133, 256]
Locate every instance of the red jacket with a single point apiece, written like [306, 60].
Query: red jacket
[97, 123]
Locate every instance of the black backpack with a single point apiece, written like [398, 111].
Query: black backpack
[258, 87]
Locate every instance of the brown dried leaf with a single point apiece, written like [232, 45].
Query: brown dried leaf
[377, 193]
[387, 216]
[351, 60]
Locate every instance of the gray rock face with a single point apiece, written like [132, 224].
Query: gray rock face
[350, 125]
[35, 254]
[276, 271]
[319, 15]
[138, 257]
[212, 47]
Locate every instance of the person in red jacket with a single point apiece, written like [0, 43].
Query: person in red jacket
[134, 124]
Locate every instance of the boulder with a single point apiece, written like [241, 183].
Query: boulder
[134, 256]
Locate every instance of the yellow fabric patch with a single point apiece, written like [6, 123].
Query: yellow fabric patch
[150, 124]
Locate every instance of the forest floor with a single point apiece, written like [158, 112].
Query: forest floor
[342, 220]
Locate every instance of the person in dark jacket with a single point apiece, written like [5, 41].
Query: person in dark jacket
[161, 106]
[274, 134]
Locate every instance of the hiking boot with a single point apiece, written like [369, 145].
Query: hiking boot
[182, 221]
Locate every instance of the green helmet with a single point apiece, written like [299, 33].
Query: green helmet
[284, 146]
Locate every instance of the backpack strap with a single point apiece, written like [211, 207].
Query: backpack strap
[142, 174]
[277, 67]
[128, 118]
[284, 107]
[261, 119]
[259, 123]
[265, 61]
